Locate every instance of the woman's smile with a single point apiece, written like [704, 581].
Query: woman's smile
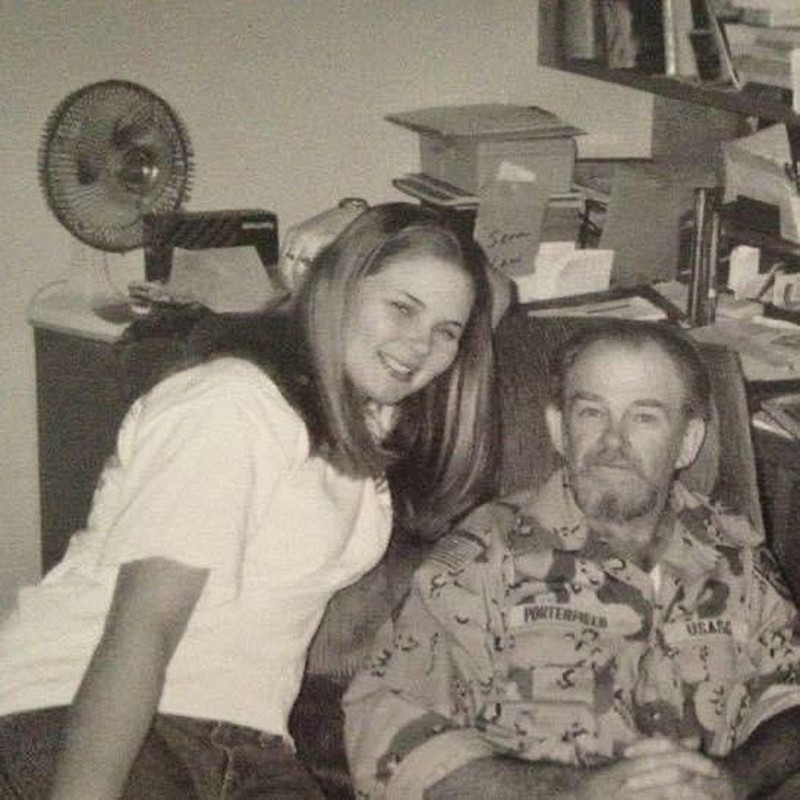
[397, 369]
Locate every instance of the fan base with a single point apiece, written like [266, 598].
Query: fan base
[118, 313]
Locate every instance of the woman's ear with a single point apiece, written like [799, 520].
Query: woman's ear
[555, 426]
[693, 438]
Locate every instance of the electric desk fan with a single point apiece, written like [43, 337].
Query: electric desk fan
[111, 153]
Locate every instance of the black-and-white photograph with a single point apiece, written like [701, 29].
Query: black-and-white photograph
[400, 400]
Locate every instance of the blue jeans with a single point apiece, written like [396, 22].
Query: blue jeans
[181, 759]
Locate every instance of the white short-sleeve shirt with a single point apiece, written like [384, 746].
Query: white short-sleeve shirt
[213, 470]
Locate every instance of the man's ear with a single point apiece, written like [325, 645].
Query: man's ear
[693, 438]
[555, 426]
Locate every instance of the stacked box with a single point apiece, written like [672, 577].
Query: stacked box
[465, 145]
[471, 162]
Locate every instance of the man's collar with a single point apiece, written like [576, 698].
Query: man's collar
[684, 554]
[551, 519]
[547, 518]
[700, 530]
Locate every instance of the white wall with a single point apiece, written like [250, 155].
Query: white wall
[284, 101]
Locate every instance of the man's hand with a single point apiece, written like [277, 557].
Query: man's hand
[667, 770]
[655, 769]
[693, 787]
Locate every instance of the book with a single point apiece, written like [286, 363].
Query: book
[581, 35]
[670, 37]
[564, 211]
[640, 302]
[777, 40]
[763, 54]
[433, 190]
[777, 15]
[745, 39]
[764, 70]
[741, 37]
[633, 307]
[649, 35]
[785, 410]
[619, 42]
[563, 218]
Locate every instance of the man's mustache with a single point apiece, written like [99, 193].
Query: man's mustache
[608, 457]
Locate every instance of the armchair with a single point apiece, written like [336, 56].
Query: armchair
[725, 469]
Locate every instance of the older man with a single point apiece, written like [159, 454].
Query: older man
[610, 634]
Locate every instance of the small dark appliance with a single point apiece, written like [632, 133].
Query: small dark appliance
[201, 230]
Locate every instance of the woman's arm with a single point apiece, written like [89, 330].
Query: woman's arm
[119, 694]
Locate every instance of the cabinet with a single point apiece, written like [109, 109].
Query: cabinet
[85, 383]
[84, 387]
[80, 403]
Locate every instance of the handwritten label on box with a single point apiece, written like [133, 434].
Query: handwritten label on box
[509, 221]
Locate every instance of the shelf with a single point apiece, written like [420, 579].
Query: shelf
[757, 100]
[770, 103]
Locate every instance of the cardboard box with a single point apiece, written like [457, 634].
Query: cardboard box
[465, 145]
[644, 221]
[469, 163]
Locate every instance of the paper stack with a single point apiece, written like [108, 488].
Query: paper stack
[562, 270]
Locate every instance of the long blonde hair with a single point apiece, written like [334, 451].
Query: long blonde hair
[442, 454]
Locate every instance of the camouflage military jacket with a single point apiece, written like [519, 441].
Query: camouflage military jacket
[525, 634]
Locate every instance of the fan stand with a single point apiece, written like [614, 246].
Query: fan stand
[102, 279]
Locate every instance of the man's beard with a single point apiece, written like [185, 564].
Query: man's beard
[609, 486]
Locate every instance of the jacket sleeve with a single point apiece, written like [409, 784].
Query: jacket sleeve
[774, 645]
[409, 713]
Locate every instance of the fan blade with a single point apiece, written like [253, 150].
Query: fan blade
[90, 146]
[129, 131]
[136, 120]
[87, 172]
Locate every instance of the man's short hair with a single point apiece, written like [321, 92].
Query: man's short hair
[635, 334]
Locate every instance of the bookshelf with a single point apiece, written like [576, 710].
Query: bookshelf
[691, 117]
[770, 103]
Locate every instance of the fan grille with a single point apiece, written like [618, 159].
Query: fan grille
[111, 153]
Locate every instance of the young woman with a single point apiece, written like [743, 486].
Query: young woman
[161, 657]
